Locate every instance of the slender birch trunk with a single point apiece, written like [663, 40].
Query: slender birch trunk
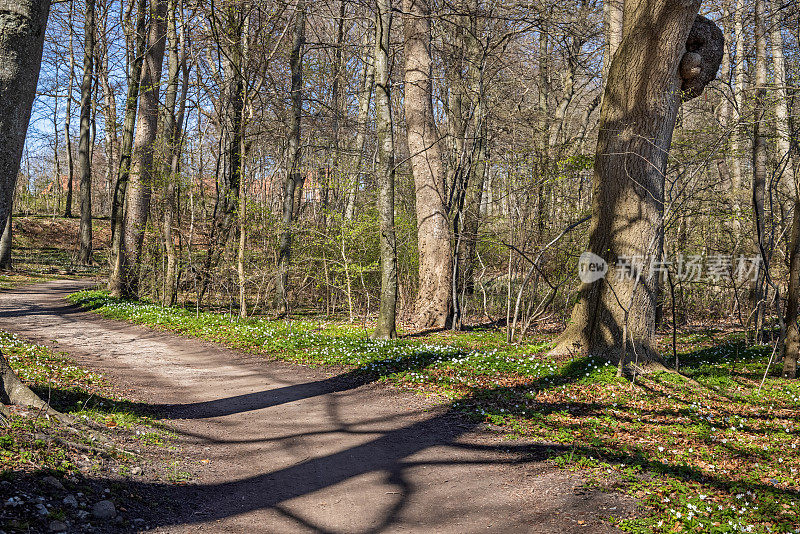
[364, 97]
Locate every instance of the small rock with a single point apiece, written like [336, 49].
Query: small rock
[136, 470]
[70, 501]
[58, 526]
[53, 483]
[104, 510]
[81, 514]
[42, 509]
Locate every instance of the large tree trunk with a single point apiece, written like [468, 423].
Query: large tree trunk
[84, 149]
[138, 40]
[141, 174]
[787, 170]
[432, 306]
[654, 63]
[22, 29]
[386, 326]
[294, 178]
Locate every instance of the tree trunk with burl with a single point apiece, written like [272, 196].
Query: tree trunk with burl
[668, 53]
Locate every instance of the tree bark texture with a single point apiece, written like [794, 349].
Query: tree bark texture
[22, 30]
[6, 243]
[666, 50]
[142, 172]
[116, 281]
[759, 155]
[173, 127]
[791, 346]
[432, 306]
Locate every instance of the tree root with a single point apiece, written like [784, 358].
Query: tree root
[13, 391]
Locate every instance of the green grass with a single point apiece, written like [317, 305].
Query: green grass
[718, 457]
[34, 443]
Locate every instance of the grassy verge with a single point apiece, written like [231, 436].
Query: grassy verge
[718, 457]
[77, 392]
[43, 463]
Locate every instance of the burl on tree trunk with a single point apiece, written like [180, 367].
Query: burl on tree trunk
[657, 65]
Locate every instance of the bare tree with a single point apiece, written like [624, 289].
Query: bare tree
[759, 190]
[68, 116]
[84, 148]
[142, 172]
[174, 106]
[386, 325]
[137, 40]
[364, 98]
[294, 177]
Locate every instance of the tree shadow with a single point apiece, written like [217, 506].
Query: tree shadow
[391, 455]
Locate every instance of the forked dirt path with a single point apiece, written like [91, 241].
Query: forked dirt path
[292, 449]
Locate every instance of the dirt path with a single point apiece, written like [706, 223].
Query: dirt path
[293, 449]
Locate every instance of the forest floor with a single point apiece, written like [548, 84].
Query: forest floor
[280, 447]
[708, 450]
[308, 425]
